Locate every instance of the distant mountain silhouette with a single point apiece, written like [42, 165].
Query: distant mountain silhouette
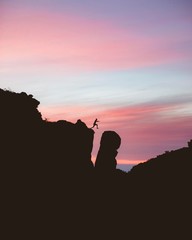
[50, 185]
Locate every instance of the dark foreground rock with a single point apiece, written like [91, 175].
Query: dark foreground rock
[50, 188]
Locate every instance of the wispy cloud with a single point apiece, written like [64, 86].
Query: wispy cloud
[146, 129]
[37, 37]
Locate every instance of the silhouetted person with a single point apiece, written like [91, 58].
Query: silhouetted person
[110, 142]
[95, 123]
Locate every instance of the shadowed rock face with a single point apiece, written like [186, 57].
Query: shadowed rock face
[31, 145]
[69, 145]
[106, 157]
[18, 110]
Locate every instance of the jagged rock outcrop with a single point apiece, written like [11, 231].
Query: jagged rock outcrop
[106, 157]
[32, 146]
[18, 110]
[69, 145]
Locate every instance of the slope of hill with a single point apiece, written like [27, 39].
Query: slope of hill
[171, 167]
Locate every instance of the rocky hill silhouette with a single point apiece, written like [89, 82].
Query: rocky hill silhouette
[50, 185]
[177, 162]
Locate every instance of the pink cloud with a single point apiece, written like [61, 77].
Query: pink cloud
[66, 41]
[146, 130]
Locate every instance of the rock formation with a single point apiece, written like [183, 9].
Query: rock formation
[106, 157]
[32, 146]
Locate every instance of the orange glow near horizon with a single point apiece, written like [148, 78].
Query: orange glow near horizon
[123, 161]
[129, 162]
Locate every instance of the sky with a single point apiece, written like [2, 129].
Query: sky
[126, 62]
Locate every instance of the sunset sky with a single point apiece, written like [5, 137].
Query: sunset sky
[126, 62]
